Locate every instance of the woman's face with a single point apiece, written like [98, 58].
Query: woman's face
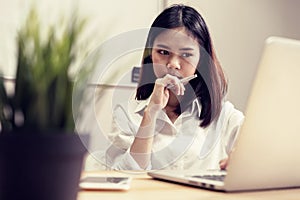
[175, 52]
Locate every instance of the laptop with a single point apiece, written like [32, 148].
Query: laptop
[267, 151]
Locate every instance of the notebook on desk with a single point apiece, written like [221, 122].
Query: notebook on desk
[267, 152]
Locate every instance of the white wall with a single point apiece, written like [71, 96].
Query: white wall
[239, 28]
[105, 19]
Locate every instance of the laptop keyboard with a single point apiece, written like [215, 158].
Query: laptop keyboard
[211, 177]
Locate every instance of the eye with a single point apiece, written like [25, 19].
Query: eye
[186, 55]
[163, 52]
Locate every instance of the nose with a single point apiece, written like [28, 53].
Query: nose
[173, 62]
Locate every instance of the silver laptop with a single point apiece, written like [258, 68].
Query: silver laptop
[267, 153]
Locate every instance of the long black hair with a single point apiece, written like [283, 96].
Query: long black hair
[210, 86]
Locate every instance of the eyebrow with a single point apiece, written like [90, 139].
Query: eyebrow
[163, 46]
[181, 49]
[186, 49]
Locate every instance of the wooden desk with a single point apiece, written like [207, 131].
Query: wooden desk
[144, 187]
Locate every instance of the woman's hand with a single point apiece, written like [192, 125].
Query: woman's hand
[161, 91]
[224, 163]
[141, 147]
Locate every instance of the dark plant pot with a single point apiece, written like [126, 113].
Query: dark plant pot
[41, 167]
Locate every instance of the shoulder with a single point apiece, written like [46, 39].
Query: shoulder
[229, 115]
[229, 109]
[129, 110]
[126, 106]
[232, 111]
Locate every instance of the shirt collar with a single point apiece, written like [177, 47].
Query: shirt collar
[141, 105]
[196, 106]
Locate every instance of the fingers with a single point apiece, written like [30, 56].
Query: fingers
[173, 84]
[223, 164]
[163, 86]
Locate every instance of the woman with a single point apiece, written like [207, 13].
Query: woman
[171, 123]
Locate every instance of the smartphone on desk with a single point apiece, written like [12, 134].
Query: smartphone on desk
[105, 183]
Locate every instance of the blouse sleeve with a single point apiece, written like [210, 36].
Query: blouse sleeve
[124, 130]
[234, 122]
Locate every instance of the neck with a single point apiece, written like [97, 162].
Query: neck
[174, 100]
[171, 107]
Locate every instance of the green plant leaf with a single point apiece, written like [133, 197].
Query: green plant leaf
[43, 89]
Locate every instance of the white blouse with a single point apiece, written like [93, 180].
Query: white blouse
[182, 145]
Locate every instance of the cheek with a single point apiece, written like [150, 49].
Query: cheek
[194, 64]
[189, 68]
[159, 66]
[159, 70]
[188, 71]
[157, 58]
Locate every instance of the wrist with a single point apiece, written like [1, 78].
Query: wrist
[152, 109]
[150, 114]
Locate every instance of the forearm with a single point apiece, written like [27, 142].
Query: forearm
[142, 145]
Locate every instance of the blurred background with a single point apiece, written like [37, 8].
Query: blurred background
[238, 29]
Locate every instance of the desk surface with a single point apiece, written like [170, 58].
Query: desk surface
[144, 187]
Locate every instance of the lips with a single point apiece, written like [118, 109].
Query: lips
[175, 73]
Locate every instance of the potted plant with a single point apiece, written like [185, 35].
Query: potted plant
[41, 155]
